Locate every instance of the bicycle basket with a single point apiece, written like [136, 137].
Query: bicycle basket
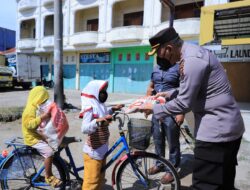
[139, 133]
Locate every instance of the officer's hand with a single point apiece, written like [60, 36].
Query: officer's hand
[147, 108]
[163, 94]
[179, 119]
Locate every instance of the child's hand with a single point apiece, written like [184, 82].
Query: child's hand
[105, 118]
[46, 116]
[117, 107]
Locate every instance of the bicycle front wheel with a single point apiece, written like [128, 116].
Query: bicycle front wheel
[127, 179]
[20, 169]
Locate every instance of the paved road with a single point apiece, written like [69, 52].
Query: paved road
[19, 97]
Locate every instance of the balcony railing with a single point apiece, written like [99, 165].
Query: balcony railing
[84, 38]
[27, 4]
[47, 2]
[26, 43]
[189, 27]
[126, 34]
[47, 41]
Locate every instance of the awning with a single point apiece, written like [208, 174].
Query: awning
[227, 24]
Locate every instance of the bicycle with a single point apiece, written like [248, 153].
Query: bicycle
[132, 167]
[24, 168]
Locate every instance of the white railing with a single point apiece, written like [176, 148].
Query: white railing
[28, 43]
[27, 4]
[84, 38]
[126, 34]
[47, 41]
[46, 2]
[189, 27]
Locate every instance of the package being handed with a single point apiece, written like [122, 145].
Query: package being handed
[55, 129]
[143, 100]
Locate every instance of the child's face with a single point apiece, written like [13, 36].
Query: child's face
[103, 96]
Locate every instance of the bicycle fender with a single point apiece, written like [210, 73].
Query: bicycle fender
[122, 159]
[116, 166]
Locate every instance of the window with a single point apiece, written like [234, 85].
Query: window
[146, 56]
[73, 58]
[92, 25]
[120, 57]
[128, 57]
[137, 56]
[188, 10]
[135, 18]
[49, 25]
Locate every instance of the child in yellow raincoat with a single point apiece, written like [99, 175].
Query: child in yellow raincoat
[30, 122]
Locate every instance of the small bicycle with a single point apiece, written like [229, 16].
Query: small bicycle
[24, 169]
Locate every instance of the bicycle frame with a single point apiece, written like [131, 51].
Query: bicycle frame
[18, 146]
[125, 147]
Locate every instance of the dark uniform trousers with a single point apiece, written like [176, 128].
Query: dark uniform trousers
[215, 165]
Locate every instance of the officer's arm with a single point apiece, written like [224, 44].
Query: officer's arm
[150, 89]
[194, 72]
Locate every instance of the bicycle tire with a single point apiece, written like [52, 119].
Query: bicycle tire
[127, 179]
[15, 179]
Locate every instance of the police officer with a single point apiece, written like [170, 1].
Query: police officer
[205, 90]
[165, 77]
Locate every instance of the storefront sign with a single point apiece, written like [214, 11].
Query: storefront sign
[239, 53]
[103, 57]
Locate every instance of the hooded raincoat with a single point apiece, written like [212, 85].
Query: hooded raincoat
[92, 109]
[30, 120]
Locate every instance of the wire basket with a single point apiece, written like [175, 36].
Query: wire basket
[139, 133]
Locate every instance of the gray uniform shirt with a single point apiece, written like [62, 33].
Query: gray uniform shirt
[205, 89]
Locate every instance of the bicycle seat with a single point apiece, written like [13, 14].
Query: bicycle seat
[67, 140]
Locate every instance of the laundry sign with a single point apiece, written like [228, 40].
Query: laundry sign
[237, 53]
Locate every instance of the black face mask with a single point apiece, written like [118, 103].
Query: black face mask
[163, 63]
[103, 96]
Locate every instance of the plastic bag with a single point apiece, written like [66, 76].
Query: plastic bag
[146, 99]
[55, 129]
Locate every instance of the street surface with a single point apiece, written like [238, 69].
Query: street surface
[18, 97]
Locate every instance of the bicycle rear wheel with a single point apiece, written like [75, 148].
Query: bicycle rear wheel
[19, 170]
[127, 179]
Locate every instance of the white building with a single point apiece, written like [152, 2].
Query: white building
[113, 32]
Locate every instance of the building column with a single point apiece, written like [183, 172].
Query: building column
[38, 32]
[102, 21]
[77, 71]
[50, 60]
[109, 17]
[157, 12]
[72, 22]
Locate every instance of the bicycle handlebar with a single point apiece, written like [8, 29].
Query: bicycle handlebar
[120, 120]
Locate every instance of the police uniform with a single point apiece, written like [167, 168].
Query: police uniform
[205, 90]
[166, 79]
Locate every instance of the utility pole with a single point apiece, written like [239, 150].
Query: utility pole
[171, 6]
[58, 53]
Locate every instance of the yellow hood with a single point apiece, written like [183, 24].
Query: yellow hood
[30, 121]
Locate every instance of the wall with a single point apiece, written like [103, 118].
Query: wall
[131, 76]
[238, 74]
